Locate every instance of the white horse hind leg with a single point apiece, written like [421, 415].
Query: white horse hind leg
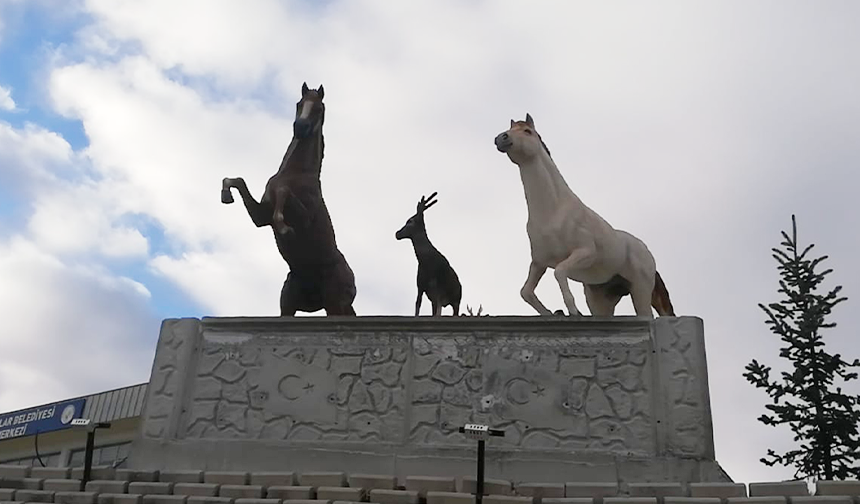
[600, 304]
[528, 290]
[641, 293]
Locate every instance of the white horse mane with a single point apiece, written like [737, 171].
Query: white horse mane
[577, 243]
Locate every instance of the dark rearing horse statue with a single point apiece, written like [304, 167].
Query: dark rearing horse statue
[293, 205]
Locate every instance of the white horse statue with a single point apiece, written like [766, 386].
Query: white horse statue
[575, 241]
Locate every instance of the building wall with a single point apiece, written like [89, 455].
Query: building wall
[65, 448]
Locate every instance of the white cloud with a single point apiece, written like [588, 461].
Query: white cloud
[694, 127]
[59, 320]
[6, 101]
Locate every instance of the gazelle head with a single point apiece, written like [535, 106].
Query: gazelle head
[415, 224]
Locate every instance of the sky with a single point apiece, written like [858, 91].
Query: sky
[700, 127]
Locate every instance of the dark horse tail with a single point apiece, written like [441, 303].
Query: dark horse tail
[660, 298]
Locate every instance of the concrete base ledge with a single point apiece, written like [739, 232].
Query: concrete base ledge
[605, 400]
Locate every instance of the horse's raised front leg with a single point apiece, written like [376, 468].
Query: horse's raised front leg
[528, 290]
[580, 258]
[260, 213]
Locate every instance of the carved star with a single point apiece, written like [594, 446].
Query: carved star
[539, 390]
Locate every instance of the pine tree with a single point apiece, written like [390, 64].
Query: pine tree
[823, 418]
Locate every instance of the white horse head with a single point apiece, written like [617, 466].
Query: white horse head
[521, 142]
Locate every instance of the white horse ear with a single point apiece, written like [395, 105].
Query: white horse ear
[529, 120]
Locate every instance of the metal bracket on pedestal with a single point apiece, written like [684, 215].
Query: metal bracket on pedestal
[481, 433]
[91, 438]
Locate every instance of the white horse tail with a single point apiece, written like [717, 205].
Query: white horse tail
[660, 298]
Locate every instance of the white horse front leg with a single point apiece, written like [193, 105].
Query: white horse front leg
[580, 258]
[528, 290]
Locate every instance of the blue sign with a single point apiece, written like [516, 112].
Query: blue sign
[42, 419]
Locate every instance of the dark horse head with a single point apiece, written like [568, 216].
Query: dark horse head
[310, 112]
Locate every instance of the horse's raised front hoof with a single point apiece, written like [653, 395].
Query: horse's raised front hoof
[226, 196]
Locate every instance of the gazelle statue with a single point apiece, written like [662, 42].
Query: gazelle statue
[568, 236]
[436, 277]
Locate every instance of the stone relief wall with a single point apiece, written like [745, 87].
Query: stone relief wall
[549, 392]
[607, 387]
[300, 388]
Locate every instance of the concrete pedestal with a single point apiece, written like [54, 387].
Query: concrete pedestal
[591, 400]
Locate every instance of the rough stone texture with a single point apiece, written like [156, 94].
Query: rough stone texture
[593, 490]
[32, 483]
[341, 494]
[226, 478]
[507, 499]
[268, 479]
[541, 490]
[449, 498]
[196, 489]
[165, 499]
[241, 491]
[62, 485]
[384, 496]
[208, 499]
[75, 498]
[150, 488]
[630, 500]
[469, 485]
[181, 476]
[692, 500]
[14, 471]
[260, 501]
[372, 481]
[851, 487]
[112, 498]
[14, 483]
[34, 495]
[721, 490]
[7, 494]
[782, 489]
[658, 490]
[756, 500]
[824, 499]
[291, 492]
[424, 484]
[50, 472]
[137, 475]
[107, 486]
[569, 500]
[623, 399]
[97, 473]
[323, 479]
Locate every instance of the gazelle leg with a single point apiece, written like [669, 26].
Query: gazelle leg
[528, 290]
[580, 258]
[418, 302]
